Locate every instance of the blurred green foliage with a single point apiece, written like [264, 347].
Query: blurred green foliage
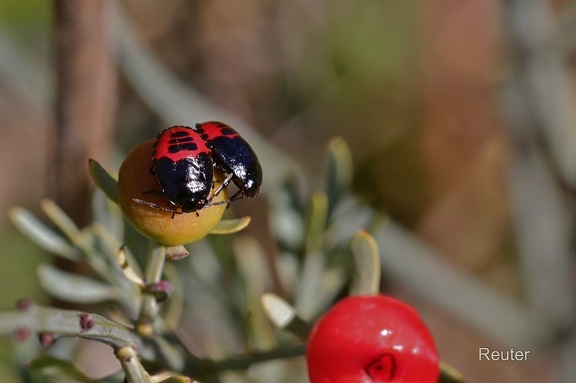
[19, 260]
[29, 20]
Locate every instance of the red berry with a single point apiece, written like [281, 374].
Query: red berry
[371, 339]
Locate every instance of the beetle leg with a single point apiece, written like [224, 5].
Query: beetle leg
[235, 197]
[224, 183]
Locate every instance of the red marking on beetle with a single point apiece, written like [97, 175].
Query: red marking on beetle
[233, 154]
[213, 129]
[184, 169]
[177, 143]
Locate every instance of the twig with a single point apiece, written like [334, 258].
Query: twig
[152, 275]
[85, 100]
[38, 319]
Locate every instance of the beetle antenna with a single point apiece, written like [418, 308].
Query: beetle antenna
[156, 206]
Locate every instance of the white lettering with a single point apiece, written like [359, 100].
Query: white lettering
[484, 353]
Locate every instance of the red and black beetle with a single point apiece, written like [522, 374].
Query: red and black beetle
[234, 156]
[184, 169]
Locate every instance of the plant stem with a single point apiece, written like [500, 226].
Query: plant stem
[38, 319]
[152, 274]
[135, 372]
[206, 369]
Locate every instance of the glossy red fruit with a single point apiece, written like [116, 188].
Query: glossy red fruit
[371, 339]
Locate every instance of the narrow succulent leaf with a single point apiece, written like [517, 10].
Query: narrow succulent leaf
[316, 223]
[340, 170]
[306, 295]
[107, 213]
[74, 288]
[38, 319]
[41, 234]
[103, 180]
[229, 226]
[254, 269]
[331, 283]
[179, 379]
[173, 355]
[314, 260]
[366, 276]
[284, 316]
[64, 367]
[153, 269]
[177, 301]
[278, 310]
[128, 270]
[287, 221]
[252, 265]
[60, 219]
[449, 374]
[110, 244]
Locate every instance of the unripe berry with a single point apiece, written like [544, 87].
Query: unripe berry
[136, 182]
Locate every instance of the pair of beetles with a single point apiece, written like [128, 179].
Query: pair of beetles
[184, 160]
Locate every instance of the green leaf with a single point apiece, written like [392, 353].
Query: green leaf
[60, 219]
[449, 374]
[103, 180]
[74, 288]
[229, 226]
[283, 315]
[314, 263]
[129, 272]
[44, 237]
[67, 323]
[316, 222]
[173, 313]
[179, 379]
[340, 170]
[366, 277]
[63, 366]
